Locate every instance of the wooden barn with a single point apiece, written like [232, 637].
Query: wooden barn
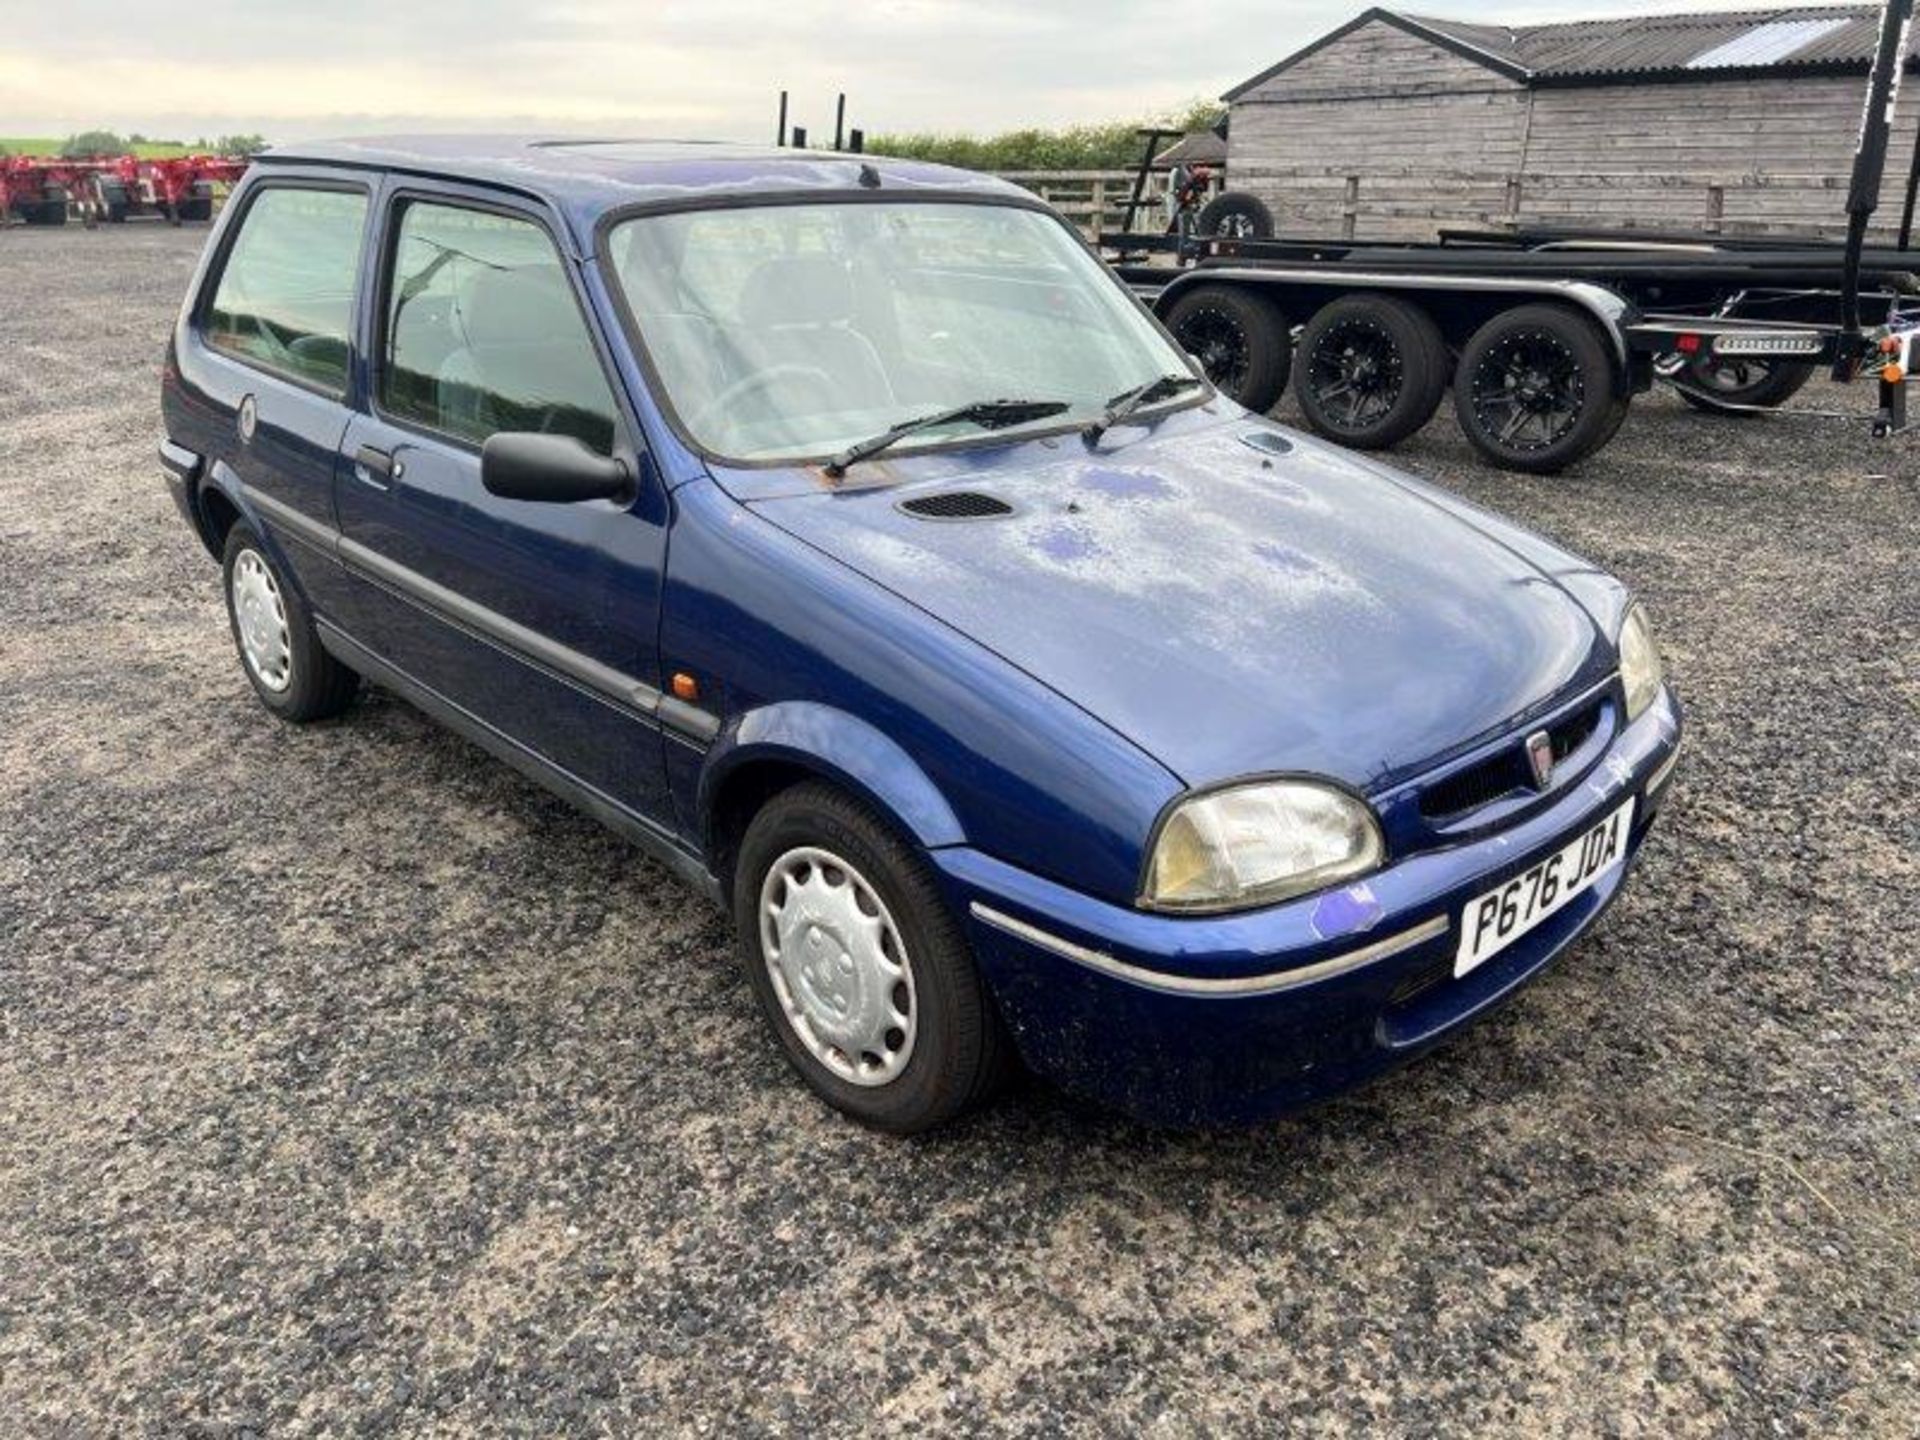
[1397, 125]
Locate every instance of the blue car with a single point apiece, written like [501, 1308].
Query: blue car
[843, 533]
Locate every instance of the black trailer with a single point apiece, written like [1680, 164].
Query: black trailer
[1544, 336]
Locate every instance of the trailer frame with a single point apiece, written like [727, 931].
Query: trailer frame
[1512, 315]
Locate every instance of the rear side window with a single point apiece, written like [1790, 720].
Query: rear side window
[483, 333]
[285, 297]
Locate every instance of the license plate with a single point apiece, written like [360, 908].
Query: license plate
[1498, 918]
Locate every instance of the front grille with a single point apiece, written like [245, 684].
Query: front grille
[1507, 771]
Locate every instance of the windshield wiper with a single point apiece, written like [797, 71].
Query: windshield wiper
[987, 414]
[1129, 402]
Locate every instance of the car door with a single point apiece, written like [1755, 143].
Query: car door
[538, 619]
[266, 360]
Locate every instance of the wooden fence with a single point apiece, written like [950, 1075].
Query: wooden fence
[1096, 200]
[1397, 203]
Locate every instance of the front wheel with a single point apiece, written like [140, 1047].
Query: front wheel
[1240, 339]
[1536, 389]
[859, 966]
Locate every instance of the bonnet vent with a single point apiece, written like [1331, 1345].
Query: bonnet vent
[957, 505]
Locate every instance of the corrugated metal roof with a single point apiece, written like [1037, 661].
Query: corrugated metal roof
[1200, 147]
[1838, 36]
[1766, 44]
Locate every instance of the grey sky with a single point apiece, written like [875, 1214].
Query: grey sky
[710, 68]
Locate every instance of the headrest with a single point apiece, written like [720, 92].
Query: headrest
[797, 290]
[519, 306]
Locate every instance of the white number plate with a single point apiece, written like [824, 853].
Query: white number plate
[1498, 918]
[1767, 344]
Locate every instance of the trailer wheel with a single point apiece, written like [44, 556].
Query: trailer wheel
[195, 209]
[1536, 389]
[1712, 383]
[1234, 215]
[1241, 340]
[1370, 370]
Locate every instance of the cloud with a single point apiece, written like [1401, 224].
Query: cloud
[293, 70]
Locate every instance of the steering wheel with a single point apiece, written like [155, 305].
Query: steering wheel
[762, 380]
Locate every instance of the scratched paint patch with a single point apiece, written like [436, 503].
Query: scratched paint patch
[1352, 911]
[1129, 484]
[1066, 543]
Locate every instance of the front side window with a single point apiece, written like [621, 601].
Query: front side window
[786, 332]
[483, 334]
[284, 300]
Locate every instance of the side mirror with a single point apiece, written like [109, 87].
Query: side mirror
[555, 469]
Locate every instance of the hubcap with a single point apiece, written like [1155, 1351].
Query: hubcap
[1222, 346]
[261, 617]
[1356, 373]
[838, 966]
[1527, 390]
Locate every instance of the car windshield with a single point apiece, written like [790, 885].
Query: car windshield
[787, 332]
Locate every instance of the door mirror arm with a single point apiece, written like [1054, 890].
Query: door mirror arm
[551, 469]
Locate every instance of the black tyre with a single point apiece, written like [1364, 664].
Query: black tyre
[1370, 370]
[1234, 215]
[1240, 338]
[46, 212]
[860, 968]
[280, 651]
[1712, 383]
[196, 209]
[1537, 389]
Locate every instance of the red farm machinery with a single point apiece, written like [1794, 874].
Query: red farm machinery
[39, 190]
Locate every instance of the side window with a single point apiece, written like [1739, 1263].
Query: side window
[284, 300]
[483, 333]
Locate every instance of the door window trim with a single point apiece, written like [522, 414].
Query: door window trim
[624, 430]
[230, 235]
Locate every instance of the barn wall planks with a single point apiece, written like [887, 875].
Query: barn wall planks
[1382, 134]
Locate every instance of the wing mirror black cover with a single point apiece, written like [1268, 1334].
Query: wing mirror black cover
[555, 469]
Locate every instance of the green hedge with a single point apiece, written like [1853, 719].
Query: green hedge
[1078, 147]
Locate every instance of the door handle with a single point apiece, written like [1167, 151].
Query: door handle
[372, 461]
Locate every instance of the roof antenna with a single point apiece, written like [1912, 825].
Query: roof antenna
[869, 177]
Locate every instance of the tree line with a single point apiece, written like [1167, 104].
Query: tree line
[1114, 146]
[89, 143]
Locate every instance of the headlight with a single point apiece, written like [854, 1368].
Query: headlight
[1260, 843]
[1640, 669]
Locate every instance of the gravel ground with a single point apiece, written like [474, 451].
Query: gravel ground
[348, 1083]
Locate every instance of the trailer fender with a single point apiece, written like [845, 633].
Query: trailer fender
[1289, 287]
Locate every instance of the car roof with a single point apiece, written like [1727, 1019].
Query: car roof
[586, 178]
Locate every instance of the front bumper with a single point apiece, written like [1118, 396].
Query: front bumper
[1233, 1019]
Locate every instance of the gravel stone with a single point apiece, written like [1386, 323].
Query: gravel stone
[348, 1084]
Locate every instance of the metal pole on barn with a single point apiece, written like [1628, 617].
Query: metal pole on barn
[1870, 159]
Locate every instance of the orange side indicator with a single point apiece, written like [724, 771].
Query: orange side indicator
[685, 687]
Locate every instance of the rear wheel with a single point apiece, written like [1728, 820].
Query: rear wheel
[1536, 389]
[1370, 370]
[859, 966]
[1240, 338]
[280, 651]
[1713, 383]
